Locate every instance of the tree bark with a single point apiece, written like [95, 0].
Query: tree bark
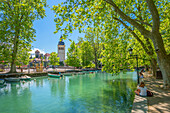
[14, 54]
[162, 57]
[154, 35]
[146, 68]
[95, 58]
[17, 21]
[13, 68]
[154, 66]
[164, 65]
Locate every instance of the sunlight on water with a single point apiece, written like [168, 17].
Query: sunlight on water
[95, 93]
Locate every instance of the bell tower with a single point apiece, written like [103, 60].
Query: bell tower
[61, 50]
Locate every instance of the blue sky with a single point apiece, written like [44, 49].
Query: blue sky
[45, 38]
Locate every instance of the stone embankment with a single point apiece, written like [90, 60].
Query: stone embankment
[36, 74]
[159, 103]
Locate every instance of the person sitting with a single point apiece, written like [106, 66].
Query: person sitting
[142, 70]
[141, 75]
[142, 90]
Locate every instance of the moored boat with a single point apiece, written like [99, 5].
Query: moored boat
[54, 75]
[12, 79]
[25, 77]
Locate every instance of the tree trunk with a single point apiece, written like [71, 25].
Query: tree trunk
[14, 54]
[162, 57]
[13, 68]
[146, 68]
[154, 35]
[164, 64]
[154, 66]
[95, 56]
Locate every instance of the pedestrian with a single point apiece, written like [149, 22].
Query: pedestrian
[142, 90]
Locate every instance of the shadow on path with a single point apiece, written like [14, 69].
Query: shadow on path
[160, 102]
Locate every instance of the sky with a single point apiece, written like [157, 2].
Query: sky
[46, 40]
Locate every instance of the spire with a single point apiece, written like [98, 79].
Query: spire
[61, 41]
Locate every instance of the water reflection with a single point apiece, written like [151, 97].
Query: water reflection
[39, 81]
[121, 91]
[95, 92]
[14, 95]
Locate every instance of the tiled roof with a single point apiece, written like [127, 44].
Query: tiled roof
[37, 51]
[47, 54]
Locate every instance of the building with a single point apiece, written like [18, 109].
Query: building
[47, 55]
[36, 53]
[61, 50]
[46, 61]
[37, 57]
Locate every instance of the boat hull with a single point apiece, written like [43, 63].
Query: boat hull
[12, 79]
[25, 78]
[55, 76]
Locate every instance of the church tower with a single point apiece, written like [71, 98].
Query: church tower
[61, 50]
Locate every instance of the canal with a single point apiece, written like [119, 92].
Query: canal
[90, 93]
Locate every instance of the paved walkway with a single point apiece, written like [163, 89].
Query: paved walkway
[140, 105]
[159, 103]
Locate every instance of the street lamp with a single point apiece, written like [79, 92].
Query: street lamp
[34, 65]
[29, 68]
[136, 56]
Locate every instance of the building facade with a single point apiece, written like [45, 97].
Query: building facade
[61, 50]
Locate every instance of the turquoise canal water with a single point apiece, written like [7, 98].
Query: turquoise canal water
[90, 93]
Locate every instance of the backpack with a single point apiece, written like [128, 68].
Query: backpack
[149, 94]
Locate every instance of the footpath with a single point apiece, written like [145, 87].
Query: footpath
[159, 103]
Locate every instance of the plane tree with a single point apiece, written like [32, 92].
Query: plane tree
[23, 57]
[86, 54]
[54, 59]
[146, 18]
[16, 24]
[73, 56]
[92, 35]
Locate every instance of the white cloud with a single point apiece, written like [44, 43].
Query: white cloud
[33, 51]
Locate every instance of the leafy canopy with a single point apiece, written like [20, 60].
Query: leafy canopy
[73, 56]
[16, 25]
[54, 59]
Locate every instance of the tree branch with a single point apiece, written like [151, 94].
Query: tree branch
[134, 34]
[141, 28]
[149, 45]
[143, 22]
[21, 18]
[150, 48]
[9, 5]
[155, 15]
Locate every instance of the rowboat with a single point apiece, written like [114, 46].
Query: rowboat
[11, 79]
[54, 75]
[25, 77]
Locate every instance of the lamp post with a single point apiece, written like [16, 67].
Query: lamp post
[34, 65]
[136, 56]
[29, 68]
